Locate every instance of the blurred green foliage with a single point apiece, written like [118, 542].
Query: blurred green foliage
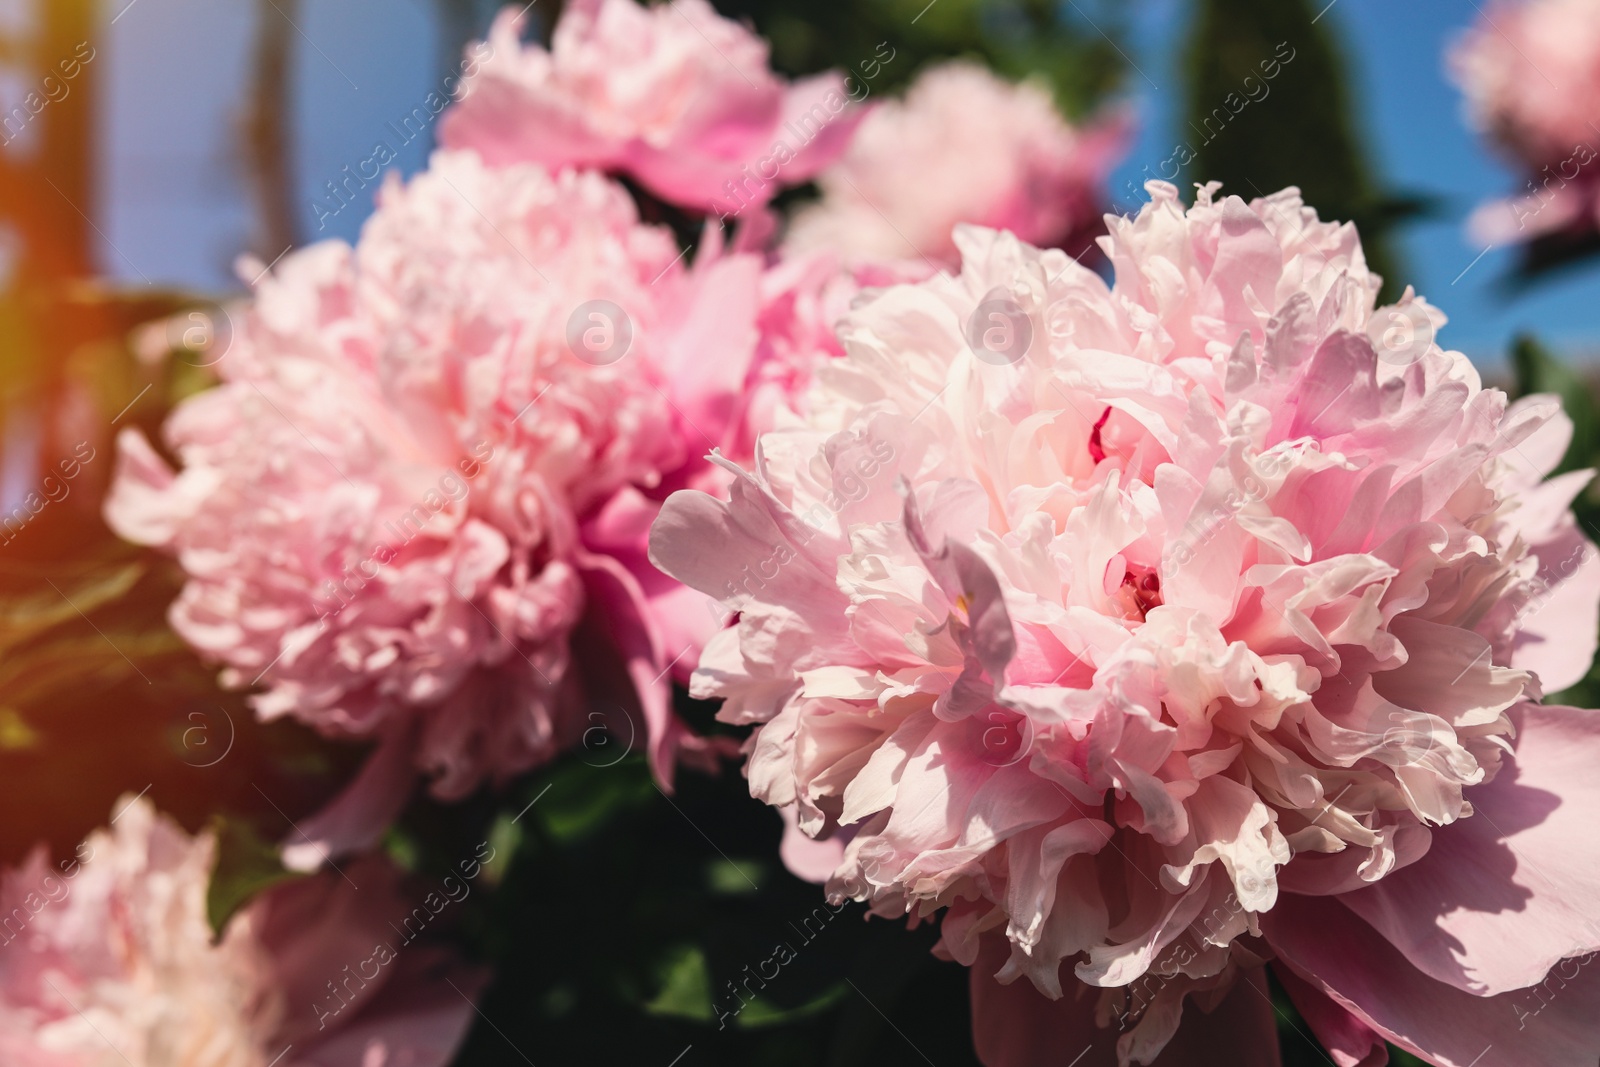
[632, 926]
[1074, 45]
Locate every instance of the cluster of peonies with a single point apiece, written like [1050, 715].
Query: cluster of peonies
[111, 960]
[415, 512]
[1167, 628]
[1164, 629]
[1530, 70]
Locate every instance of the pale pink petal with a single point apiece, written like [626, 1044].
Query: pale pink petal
[804, 856]
[1529, 71]
[1559, 629]
[419, 1018]
[617, 596]
[325, 971]
[1327, 945]
[141, 504]
[380, 511]
[1507, 894]
[963, 146]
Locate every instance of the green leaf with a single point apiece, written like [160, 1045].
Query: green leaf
[762, 1012]
[505, 837]
[729, 878]
[26, 616]
[34, 675]
[246, 866]
[685, 986]
[577, 799]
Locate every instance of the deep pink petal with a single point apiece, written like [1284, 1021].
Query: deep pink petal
[1351, 1042]
[358, 816]
[418, 1019]
[1017, 1026]
[617, 594]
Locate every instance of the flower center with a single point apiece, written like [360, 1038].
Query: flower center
[1143, 589]
[1097, 449]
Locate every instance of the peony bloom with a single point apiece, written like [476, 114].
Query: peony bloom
[675, 96]
[1168, 629]
[381, 509]
[111, 960]
[964, 146]
[771, 325]
[1531, 74]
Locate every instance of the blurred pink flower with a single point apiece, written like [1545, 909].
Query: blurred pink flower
[963, 146]
[111, 960]
[380, 509]
[1161, 629]
[1531, 73]
[673, 95]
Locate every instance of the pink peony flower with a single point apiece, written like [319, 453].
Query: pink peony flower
[380, 511]
[1531, 73]
[109, 959]
[964, 146]
[1166, 629]
[673, 95]
[771, 325]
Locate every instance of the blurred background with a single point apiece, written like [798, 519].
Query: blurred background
[214, 125]
[197, 141]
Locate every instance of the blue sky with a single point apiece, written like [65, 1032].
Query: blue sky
[174, 209]
[1413, 118]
